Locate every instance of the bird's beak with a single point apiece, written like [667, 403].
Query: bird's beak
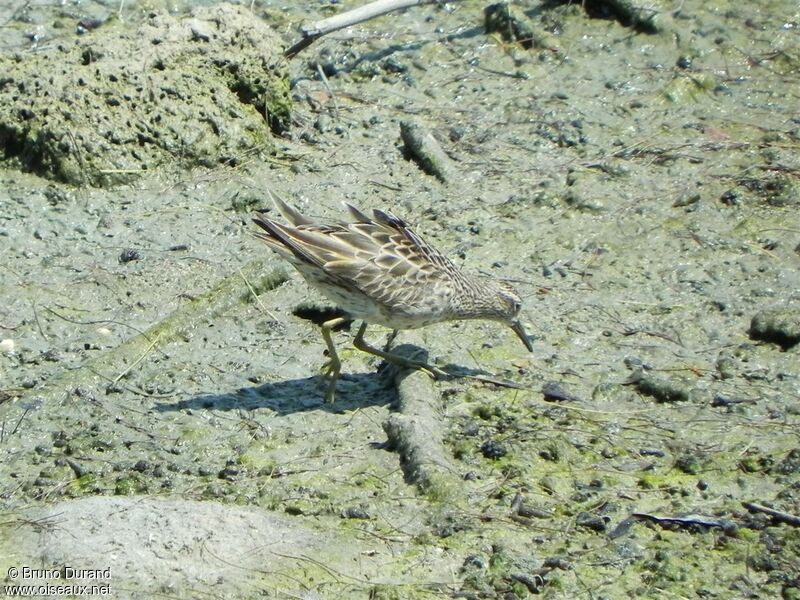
[520, 331]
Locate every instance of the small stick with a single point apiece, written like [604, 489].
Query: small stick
[38, 323]
[255, 296]
[328, 87]
[351, 17]
[426, 151]
[138, 360]
[24, 414]
[778, 515]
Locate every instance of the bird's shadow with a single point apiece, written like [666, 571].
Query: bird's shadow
[353, 391]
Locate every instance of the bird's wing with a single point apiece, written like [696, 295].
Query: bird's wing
[289, 212]
[388, 262]
[380, 257]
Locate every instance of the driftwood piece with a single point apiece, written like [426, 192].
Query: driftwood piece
[426, 151]
[415, 430]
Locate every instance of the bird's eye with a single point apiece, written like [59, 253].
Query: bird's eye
[517, 306]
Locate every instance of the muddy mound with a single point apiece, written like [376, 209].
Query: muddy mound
[123, 544]
[117, 102]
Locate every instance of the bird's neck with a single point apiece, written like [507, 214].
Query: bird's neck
[474, 297]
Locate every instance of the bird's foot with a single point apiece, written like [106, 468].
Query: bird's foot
[432, 371]
[330, 372]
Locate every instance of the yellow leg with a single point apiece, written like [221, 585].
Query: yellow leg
[332, 368]
[401, 361]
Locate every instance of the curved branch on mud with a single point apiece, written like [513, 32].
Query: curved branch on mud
[121, 359]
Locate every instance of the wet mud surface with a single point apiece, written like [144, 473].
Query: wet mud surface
[636, 181]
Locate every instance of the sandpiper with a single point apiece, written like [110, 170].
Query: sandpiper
[377, 270]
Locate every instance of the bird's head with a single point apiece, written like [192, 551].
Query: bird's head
[510, 306]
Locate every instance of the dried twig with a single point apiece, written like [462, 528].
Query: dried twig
[144, 354]
[778, 515]
[312, 33]
[255, 296]
[327, 85]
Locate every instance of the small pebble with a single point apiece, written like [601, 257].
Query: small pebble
[730, 198]
[590, 521]
[470, 428]
[129, 255]
[475, 561]
[355, 512]
[553, 392]
[42, 450]
[492, 449]
[228, 473]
